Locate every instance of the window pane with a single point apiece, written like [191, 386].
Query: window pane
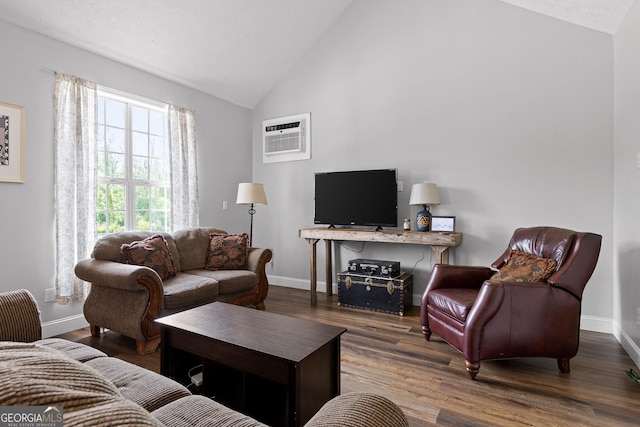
[115, 140]
[142, 197]
[115, 113]
[156, 122]
[141, 168]
[139, 119]
[158, 199]
[101, 137]
[158, 221]
[101, 110]
[140, 143]
[101, 223]
[116, 222]
[115, 167]
[156, 170]
[142, 220]
[101, 197]
[101, 163]
[116, 198]
[156, 146]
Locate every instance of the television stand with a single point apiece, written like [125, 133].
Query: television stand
[440, 242]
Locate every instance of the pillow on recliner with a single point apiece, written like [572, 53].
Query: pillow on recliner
[524, 267]
[227, 251]
[152, 252]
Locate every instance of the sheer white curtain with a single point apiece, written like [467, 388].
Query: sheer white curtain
[184, 176]
[75, 179]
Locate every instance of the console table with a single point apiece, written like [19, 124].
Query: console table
[440, 242]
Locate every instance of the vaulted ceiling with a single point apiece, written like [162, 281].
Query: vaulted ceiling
[236, 50]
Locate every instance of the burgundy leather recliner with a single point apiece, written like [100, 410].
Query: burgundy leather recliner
[488, 319]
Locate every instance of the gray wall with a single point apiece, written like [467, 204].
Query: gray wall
[508, 111]
[27, 213]
[627, 183]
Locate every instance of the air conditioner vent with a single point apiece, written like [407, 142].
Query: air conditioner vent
[286, 138]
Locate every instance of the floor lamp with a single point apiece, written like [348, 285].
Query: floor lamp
[251, 193]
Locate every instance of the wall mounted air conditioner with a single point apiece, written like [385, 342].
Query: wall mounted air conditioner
[286, 138]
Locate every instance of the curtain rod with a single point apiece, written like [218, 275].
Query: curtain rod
[126, 94]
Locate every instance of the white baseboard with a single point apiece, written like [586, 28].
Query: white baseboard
[596, 324]
[61, 326]
[629, 346]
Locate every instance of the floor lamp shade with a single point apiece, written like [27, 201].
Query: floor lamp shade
[251, 193]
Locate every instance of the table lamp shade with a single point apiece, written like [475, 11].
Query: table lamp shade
[251, 193]
[425, 193]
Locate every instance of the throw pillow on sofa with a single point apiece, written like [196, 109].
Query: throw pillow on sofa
[227, 251]
[152, 252]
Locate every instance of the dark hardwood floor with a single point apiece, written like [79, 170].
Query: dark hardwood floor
[387, 354]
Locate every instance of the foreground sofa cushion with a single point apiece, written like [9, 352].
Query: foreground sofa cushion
[74, 350]
[202, 411]
[146, 388]
[33, 375]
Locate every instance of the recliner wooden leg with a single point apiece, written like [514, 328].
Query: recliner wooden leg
[426, 332]
[563, 365]
[472, 369]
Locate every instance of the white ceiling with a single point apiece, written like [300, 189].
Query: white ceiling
[236, 50]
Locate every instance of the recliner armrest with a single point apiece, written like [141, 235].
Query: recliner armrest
[458, 276]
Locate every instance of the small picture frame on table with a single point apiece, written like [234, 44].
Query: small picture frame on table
[443, 223]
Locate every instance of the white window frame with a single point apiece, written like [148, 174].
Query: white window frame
[129, 182]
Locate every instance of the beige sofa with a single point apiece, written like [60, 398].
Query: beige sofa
[127, 298]
[96, 390]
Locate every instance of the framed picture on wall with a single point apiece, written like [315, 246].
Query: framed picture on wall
[12, 128]
[443, 223]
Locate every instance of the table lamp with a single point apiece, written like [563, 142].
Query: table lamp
[251, 193]
[425, 194]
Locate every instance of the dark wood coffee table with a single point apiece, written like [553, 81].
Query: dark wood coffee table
[277, 369]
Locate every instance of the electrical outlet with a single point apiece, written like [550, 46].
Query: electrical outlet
[50, 295]
[638, 315]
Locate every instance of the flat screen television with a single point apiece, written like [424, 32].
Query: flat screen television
[364, 197]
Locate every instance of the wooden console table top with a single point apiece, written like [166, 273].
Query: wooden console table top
[439, 241]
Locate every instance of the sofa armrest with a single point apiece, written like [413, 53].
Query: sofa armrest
[258, 259]
[115, 274]
[19, 317]
[359, 409]
[257, 262]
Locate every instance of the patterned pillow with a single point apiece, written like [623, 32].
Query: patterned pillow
[227, 251]
[152, 252]
[524, 267]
